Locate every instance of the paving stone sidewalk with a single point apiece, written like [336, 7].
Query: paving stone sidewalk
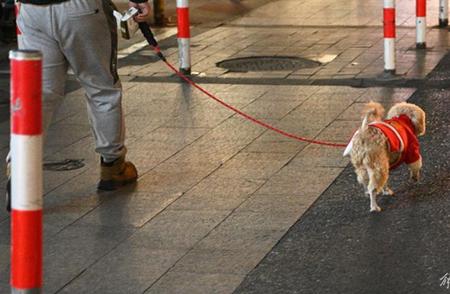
[215, 192]
[348, 35]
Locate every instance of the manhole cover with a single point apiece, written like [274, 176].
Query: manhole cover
[267, 63]
[64, 165]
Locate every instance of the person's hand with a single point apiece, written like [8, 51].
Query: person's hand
[144, 10]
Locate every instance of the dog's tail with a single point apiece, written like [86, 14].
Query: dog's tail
[373, 111]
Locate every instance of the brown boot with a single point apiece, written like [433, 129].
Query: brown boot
[116, 174]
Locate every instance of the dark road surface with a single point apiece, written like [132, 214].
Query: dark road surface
[339, 247]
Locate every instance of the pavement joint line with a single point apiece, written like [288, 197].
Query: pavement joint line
[84, 214]
[173, 155]
[194, 245]
[352, 82]
[287, 114]
[118, 243]
[187, 252]
[287, 26]
[94, 262]
[335, 119]
[231, 212]
[209, 233]
[307, 143]
[121, 241]
[71, 280]
[81, 171]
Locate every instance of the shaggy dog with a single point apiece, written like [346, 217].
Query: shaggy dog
[380, 145]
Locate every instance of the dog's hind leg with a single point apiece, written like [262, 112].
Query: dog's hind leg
[373, 191]
[378, 171]
[377, 179]
[363, 178]
[414, 170]
[373, 201]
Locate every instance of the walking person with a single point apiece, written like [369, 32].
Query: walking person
[82, 35]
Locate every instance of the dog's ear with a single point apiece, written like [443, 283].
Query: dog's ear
[414, 112]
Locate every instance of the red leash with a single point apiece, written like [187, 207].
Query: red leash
[148, 34]
[250, 118]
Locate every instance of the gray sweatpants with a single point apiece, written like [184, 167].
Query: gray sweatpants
[82, 35]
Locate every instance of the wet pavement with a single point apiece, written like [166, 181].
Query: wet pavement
[346, 38]
[216, 193]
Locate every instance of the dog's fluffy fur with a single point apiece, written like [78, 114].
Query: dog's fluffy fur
[369, 149]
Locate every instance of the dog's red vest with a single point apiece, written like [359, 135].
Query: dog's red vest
[400, 133]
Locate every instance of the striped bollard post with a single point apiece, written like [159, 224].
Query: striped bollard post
[18, 32]
[184, 35]
[389, 36]
[26, 171]
[443, 13]
[421, 23]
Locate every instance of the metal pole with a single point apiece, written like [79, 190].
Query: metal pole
[443, 13]
[184, 36]
[389, 36]
[158, 12]
[421, 23]
[26, 171]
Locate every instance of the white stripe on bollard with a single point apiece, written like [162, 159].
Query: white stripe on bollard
[389, 36]
[421, 23]
[421, 26]
[389, 55]
[185, 58]
[26, 153]
[182, 3]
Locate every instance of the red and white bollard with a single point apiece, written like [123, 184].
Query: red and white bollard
[421, 23]
[184, 36]
[389, 36]
[443, 13]
[26, 171]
